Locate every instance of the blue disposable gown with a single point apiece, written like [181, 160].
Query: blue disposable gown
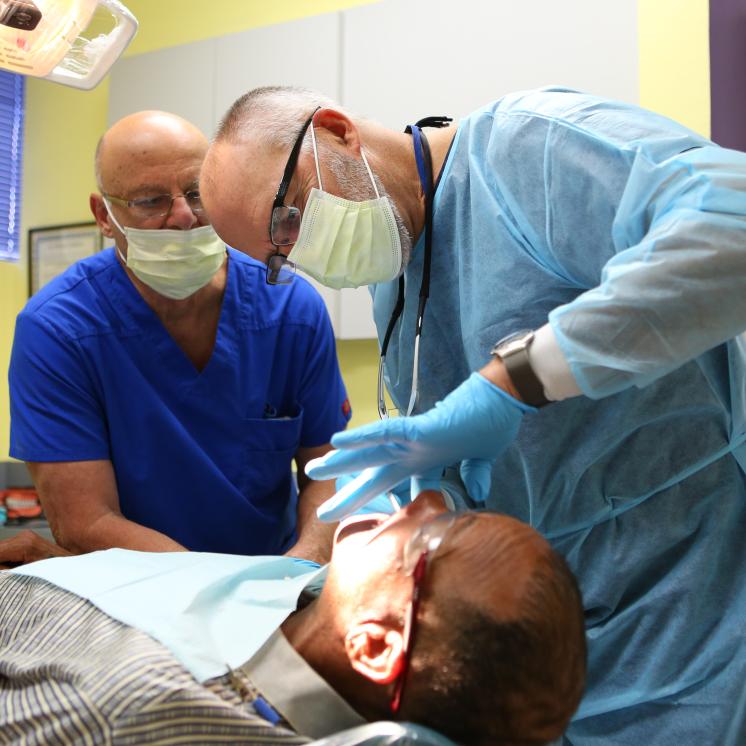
[629, 232]
[201, 456]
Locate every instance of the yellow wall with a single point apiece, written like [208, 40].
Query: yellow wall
[358, 360]
[62, 128]
[166, 23]
[675, 60]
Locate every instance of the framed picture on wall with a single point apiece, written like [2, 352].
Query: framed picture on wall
[54, 248]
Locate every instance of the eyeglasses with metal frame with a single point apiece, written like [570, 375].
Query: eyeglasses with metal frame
[284, 222]
[418, 554]
[159, 205]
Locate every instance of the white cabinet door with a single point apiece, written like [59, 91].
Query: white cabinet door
[356, 314]
[200, 81]
[178, 79]
[301, 53]
[350, 311]
[405, 59]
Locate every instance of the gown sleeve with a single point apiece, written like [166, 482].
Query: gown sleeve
[645, 219]
[675, 287]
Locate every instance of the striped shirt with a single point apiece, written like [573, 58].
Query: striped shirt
[71, 674]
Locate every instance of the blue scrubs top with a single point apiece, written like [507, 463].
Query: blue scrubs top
[203, 456]
[551, 204]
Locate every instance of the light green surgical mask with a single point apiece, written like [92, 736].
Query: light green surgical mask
[346, 244]
[176, 264]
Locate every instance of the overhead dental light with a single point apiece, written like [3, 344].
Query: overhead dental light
[48, 39]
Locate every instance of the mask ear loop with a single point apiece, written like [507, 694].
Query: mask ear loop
[111, 214]
[370, 173]
[318, 170]
[316, 156]
[116, 222]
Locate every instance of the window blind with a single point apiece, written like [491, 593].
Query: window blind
[12, 93]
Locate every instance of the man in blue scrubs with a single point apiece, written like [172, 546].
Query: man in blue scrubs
[613, 242]
[161, 389]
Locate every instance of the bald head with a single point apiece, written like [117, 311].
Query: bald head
[144, 156]
[140, 143]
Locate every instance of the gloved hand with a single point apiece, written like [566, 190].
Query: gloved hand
[384, 501]
[473, 424]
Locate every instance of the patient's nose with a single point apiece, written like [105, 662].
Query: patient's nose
[429, 502]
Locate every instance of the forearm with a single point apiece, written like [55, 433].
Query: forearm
[114, 530]
[81, 502]
[496, 373]
[674, 289]
[314, 537]
[548, 364]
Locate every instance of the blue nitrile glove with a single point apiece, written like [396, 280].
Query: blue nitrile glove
[473, 424]
[380, 503]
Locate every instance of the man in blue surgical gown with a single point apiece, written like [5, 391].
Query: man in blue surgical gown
[161, 388]
[613, 242]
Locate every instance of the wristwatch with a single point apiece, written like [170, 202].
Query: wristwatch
[513, 351]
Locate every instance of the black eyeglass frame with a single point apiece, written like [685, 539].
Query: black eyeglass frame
[282, 214]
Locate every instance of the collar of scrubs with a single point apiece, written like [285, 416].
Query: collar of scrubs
[297, 692]
[130, 311]
[212, 611]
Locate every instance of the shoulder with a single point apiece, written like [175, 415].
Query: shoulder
[299, 302]
[71, 304]
[558, 112]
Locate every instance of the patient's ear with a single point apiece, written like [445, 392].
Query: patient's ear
[376, 651]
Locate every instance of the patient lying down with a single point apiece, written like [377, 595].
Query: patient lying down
[492, 650]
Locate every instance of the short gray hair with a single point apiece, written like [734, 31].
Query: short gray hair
[271, 114]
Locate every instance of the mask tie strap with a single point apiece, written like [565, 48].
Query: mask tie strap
[111, 215]
[116, 222]
[370, 173]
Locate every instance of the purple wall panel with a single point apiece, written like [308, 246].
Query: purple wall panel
[728, 72]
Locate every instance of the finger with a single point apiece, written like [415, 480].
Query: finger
[430, 480]
[357, 493]
[376, 433]
[343, 480]
[337, 463]
[476, 474]
[11, 550]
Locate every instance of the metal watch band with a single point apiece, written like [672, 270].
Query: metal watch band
[517, 363]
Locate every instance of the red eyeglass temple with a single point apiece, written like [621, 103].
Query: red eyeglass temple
[418, 576]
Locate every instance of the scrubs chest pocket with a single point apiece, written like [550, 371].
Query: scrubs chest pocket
[270, 445]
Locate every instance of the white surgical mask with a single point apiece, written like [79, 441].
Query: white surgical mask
[176, 264]
[346, 244]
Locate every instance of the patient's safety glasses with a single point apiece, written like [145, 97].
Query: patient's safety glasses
[284, 223]
[418, 552]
